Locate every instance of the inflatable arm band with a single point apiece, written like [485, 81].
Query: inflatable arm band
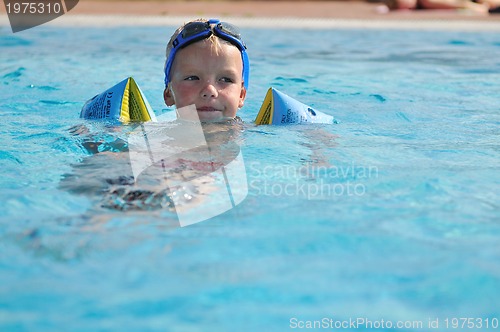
[123, 102]
[279, 108]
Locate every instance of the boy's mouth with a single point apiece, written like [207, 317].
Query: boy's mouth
[208, 109]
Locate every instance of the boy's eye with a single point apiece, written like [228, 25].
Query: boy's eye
[191, 78]
[226, 80]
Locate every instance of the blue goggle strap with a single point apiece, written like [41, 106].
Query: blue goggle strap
[242, 47]
[177, 44]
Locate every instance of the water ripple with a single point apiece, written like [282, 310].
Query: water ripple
[13, 75]
[13, 41]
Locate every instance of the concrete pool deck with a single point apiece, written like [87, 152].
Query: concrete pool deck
[276, 13]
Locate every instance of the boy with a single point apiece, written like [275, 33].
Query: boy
[207, 66]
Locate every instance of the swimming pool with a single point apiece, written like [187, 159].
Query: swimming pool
[390, 214]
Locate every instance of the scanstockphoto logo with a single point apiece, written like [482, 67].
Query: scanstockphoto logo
[180, 158]
[311, 181]
[26, 14]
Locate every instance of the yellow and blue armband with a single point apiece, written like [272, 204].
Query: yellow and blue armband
[123, 102]
[279, 108]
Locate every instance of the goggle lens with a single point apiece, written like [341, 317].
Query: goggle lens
[194, 28]
[229, 29]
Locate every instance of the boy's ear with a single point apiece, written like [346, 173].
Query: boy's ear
[168, 97]
[243, 95]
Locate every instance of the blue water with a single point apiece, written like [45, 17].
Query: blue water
[409, 231]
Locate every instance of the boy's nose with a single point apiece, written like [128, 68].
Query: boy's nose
[209, 91]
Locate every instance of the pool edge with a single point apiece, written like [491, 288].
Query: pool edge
[272, 22]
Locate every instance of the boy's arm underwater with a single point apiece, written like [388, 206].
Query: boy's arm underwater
[93, 144]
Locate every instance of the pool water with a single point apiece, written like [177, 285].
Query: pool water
[391, 213]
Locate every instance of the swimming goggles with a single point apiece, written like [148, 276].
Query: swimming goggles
[196, 31]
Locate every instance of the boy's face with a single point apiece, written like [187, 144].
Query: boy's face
[208, 79]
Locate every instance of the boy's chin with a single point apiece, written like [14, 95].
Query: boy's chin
[213, 116]
[190, 113]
